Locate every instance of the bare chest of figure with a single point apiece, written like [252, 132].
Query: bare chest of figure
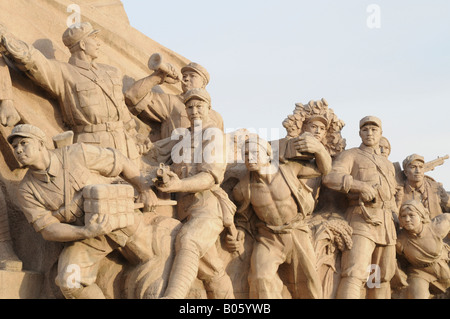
[272, 201]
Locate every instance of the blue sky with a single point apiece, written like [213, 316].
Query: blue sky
[265, 56]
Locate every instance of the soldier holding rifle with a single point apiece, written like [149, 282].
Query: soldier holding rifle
[422, 188]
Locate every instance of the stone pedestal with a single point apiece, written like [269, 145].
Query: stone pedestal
[20, 284]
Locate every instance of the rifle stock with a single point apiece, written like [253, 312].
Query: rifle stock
[430, 166]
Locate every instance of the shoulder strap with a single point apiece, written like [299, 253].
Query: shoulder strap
[106, 91]
[305, 205]
[67, 195]
[380, 170]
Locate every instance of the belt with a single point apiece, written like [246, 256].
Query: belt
[376, 204]
[426, 265]
[103, 127]
[368, 217]
[297, 222]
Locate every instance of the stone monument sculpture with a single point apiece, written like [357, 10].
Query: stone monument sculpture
[331, 232]
[8, 117]
[282, 205]
[203, 207]
[90, 94]
[422, 188]
[167, 109]
[298, 217]
[421, 243]
[385, 147]
[51, 197]
[320, 120]
[369, 180]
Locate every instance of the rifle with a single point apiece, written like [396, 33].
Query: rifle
[430, 166]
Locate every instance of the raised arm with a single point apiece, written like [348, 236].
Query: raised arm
[46, 73]
[8, 113]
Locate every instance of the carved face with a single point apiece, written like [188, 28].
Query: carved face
[410, 220]
[197, 111]
[92, 46]
[414, 172]
[385, 149]
[26, 150]
[370, 135]
[317, 128]
[192, 80]
[255, 158]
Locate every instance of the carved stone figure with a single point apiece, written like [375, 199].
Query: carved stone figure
[8, 257]
[51, 197]
[420, 243]
[369, 180]
[168, 109]
[422, 188]
[322, 223]
[282, 205]
[385, 147]
[8, 117]
[331, 233]
[321, 121]
[203, 207]
[89, 94]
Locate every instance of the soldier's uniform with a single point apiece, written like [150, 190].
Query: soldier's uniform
[42, 199]
[202, 214]
[169, 109]
[431, 193]
[374, 234]
[8, 259]
[90, 94]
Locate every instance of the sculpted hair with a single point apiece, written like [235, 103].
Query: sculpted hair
[417, 207]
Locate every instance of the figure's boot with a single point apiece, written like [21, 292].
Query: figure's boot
[90, 292]
[8, 258]
[349, 288]
[184, 271]
[220, 287]
[383, 292]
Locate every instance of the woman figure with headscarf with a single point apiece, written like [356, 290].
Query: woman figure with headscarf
[421, 242]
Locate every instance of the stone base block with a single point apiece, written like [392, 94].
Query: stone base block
[20, 284]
